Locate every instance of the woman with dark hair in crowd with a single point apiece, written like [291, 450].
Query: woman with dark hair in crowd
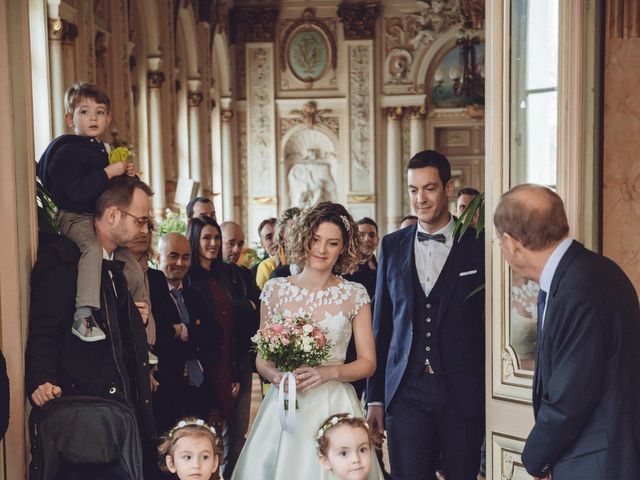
[206, 272]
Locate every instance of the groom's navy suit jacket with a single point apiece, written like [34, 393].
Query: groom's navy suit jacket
[586, 394]
[460, 327]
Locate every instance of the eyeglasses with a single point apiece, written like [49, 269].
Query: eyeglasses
[139, 221]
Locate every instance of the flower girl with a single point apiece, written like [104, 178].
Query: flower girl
[344, 446]
[190, 450]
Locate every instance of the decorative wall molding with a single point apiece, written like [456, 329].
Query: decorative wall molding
[506, 451]
[308, 23]
[623, 18]
[420, 28]
[242, 158]
[361, 198]
[261, 120]
[361, 118]
[359, 20]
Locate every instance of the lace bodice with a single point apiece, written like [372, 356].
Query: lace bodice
[331, 308]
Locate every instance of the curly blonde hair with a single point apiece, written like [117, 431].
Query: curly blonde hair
[300, 235]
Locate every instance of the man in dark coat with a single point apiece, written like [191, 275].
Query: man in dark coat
[586, 386]
[184, 340]
[57, 362]
[429, 383]
[245, 298]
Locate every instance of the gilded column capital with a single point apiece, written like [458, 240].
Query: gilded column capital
[195, 98]
[156, 78]
[62, 30]
[417, 112]
[393, 113]
[226, 114]
[359, 20]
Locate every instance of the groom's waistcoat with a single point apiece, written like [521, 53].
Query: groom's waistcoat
[426, 318]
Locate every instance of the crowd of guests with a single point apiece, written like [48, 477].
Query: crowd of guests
[172, 342]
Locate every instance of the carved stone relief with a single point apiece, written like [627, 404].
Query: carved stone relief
[242, 156]
[406, 156]
[311, 166]
[261, 128]
[310, 116]
[361, 119]
[407, 34]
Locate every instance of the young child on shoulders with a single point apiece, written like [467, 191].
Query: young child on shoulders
[344, 446]
[75, 170]
[190, 450]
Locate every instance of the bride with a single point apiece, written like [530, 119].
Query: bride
[324, 239]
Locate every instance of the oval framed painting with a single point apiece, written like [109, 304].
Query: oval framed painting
[308, 53]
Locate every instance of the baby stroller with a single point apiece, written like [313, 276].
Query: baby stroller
[84, 437]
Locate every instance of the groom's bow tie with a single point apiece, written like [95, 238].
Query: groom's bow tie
[425, 237]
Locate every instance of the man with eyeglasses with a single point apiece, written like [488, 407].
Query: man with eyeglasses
[58, 363]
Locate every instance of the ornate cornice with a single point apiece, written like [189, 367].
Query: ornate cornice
[195, 98]
[393, 113]
[256, 24]
[359, 20]
[156, 78]
[61, 29]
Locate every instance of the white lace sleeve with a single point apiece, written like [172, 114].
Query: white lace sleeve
[360, 296]
[265, 295]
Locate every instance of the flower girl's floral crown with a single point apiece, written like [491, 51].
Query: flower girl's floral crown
[337, 420]
[189, 422]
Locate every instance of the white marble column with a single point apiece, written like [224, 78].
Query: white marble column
[155, 79]
[228, 192]
[417, 132]
[195, 156]
[394, 167]
[56, 71]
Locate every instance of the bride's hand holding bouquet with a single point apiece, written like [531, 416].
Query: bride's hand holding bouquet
[295, 345]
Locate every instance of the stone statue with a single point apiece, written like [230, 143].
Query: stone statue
[310, 181]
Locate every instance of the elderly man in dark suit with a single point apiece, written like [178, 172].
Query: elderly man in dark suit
[586, 387]
[186, 339]
[429, 329]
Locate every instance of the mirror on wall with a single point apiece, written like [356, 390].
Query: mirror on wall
[533, 145]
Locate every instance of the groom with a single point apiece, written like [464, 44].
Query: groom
[429, 386]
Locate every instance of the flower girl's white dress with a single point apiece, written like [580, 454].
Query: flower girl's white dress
[273, 454]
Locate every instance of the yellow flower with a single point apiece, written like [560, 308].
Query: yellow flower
[119, 154]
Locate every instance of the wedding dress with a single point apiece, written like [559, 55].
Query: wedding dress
[273, 454]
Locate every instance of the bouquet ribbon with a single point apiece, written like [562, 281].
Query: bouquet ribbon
[287, 415]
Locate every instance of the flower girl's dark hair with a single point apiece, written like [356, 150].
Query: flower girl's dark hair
[300, 235]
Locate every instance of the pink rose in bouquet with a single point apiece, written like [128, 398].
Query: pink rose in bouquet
[292, 341]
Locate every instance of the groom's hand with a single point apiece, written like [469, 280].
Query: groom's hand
[375, 419]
